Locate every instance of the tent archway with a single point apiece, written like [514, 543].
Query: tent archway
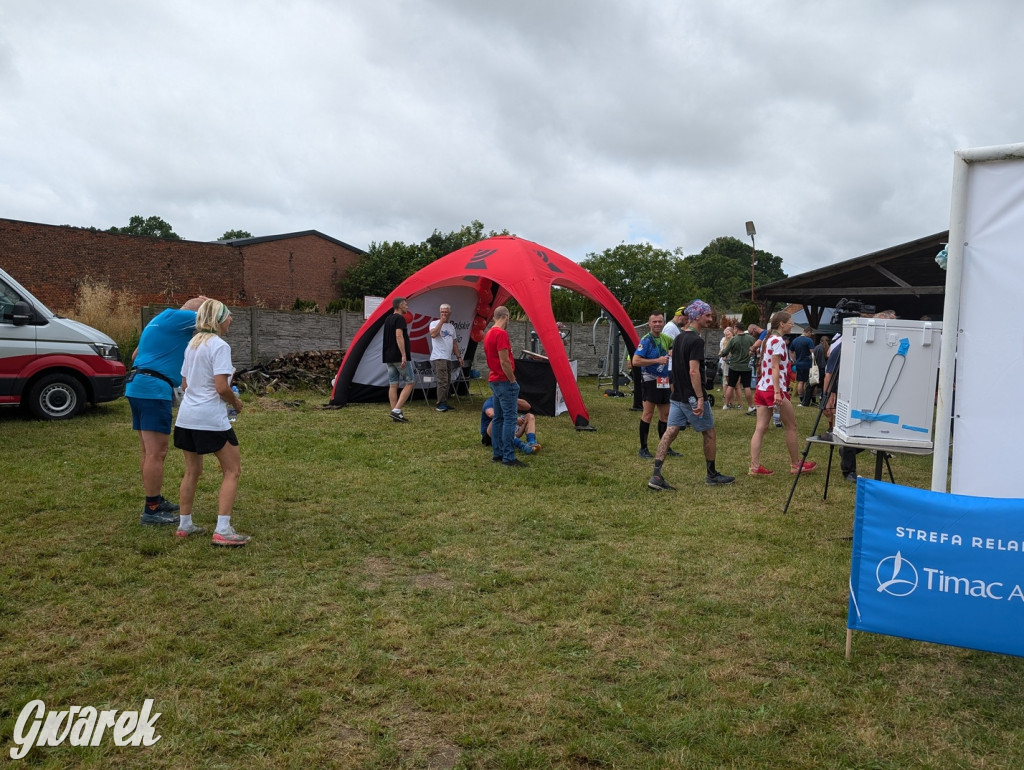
[474, 280]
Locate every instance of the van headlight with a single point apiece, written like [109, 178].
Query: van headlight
[107, 350]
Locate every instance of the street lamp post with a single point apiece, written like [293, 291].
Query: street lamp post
[753, 256]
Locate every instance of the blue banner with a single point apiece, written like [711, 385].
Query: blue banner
[938, 567]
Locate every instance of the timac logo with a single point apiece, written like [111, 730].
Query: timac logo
[896, 576]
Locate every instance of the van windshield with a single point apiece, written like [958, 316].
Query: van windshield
[8, 297]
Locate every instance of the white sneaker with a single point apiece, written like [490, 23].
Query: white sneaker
[191, 529]
[229, 538]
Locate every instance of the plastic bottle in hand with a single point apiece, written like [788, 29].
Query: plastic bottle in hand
[232, 412]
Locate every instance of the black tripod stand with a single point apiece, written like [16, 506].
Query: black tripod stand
[826, 396]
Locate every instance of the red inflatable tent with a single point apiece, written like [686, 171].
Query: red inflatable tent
[474, 280]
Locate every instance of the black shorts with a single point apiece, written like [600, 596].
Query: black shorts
[203, 442]
[739, 377]
[653, 394]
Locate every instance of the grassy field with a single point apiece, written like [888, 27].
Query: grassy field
[406, 603]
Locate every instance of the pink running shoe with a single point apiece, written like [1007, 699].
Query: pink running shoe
[808, 467]
[229, 538]
[760, 470]
[190, 530]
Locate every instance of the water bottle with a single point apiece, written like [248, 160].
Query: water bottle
[693, 402]
[232, 412]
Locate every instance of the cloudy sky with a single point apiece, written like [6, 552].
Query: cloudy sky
[579, 124]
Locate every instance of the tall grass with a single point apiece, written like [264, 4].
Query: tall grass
[114, 312]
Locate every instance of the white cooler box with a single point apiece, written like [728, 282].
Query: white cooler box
[887, 382]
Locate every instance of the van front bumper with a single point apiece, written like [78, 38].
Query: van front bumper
[107, 388]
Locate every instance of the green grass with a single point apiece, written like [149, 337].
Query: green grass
[406, 603]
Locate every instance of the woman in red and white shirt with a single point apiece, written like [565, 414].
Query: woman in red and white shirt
[772, 393]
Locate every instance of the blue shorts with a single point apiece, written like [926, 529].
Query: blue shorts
[396, 373]
[152, 414]
[680, 415]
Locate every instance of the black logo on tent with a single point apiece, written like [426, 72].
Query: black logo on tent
[547, 261]
[479, 260]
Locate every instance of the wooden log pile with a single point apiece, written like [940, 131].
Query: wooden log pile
[312, 370]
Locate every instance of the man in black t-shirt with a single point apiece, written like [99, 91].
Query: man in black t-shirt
[396, 355]
[688, 404]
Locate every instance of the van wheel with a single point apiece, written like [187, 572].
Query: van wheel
[56, 397]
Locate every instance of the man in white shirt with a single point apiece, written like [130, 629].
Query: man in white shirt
[442, 344]
[672, 328]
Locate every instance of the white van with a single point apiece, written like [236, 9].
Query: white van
[52, 365]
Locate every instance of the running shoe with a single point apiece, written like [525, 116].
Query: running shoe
[760, 470]
[149, 518]
[808, 467]
[191, 529]
[658, 483]
[229, 538]
[166, 506]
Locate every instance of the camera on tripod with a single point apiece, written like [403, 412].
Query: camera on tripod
[850, 308]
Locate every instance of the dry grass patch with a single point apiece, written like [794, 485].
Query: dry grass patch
[115, 312]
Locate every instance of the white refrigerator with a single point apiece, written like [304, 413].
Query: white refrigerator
[887, 382]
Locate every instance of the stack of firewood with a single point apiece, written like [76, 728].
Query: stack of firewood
[312, 370]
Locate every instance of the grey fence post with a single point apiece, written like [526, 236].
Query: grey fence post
[254, 339]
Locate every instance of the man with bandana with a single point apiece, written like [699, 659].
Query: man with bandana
[688, 403]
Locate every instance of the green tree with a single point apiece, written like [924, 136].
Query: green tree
[152, 227]
[721, 271]
[751, 315]
[381, 269]
[642, 277]
[387, 264]
[567, 305]
[441, 244]
[235, 235]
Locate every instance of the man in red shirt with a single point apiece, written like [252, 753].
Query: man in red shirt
[502, 379]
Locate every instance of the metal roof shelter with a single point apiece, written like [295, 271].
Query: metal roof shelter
[903, 278]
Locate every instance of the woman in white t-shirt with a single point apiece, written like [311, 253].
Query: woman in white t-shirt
[202, 426]
[773, 393]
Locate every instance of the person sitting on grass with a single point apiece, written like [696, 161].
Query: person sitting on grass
[526, 425]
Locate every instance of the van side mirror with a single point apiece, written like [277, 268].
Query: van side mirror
[21, 314]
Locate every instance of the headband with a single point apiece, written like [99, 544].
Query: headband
[696, 309]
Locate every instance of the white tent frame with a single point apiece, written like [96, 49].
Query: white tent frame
[962, 162]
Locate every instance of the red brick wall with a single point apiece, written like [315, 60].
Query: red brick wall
[306, 267]
[51, 261]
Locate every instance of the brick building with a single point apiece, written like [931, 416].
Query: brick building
[272, 271]
[305, 265]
